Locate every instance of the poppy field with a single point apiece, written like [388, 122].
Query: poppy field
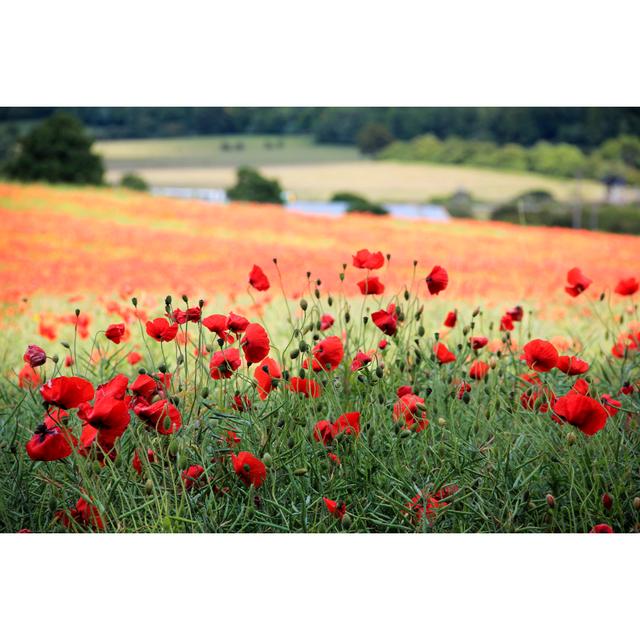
[177, 366]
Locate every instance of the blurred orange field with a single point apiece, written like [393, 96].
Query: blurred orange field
[69, 241]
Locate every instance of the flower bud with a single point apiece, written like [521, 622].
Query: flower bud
[636, 503]
[148, 486]
[302, 471]
[134, 301]
[55, 358]
[303, 304]
[571, 438]
[66, 345]
[607, 501]
[551, 501]
[35, 355]
[267, 459]
[442, 422]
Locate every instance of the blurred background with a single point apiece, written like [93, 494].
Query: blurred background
[570, 167]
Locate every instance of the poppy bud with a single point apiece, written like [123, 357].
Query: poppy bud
[406, 294]
[302, 471]
[316, 293]
[303, 304]
[205, 392]
[442, 422]
[162, 368]
[134, 302]
[405, 433]
[346, 521]
[66, 345]
[290, 443]
[35, 356]
[142, 371]
[294, 354]
[77, 312]
[55, 359]
[347, 317]
[302, 374]
[303, 346]
[415, 262]
[636, 503]
[365, 319]
[379, 372]
[602, 296]
[308, 274]
[180, 359]
[185, 299]
[421, 331]
[465, 330]
[175, 400]
[436, 335]
[475, 312]
[551, 501]
[167, 301]
[493, 362]
[330, 301]
[275, 260]
[607, 501]
[342, 277]
[267, 459]
[571, 438]
[220, 342]
[148, 486]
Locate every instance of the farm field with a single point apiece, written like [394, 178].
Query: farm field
[457, 377]
[313, 171]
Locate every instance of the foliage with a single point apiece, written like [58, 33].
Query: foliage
[134, 181]
[373, 137]
[252, 187]
[57, 150]
[358, 203]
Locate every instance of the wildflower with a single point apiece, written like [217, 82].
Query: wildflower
[515, 314]
[51, 440]
[162, 416]
[191, 475]
[160, 330]
[305, 386]
[601, 528]
[218, 324]
[224, 363]
[364, 259]
[115, 332]
[328, 354]
[506, 323]
[627, 287]
[386, 320]
[443, 354]
[572, 365]
[241, 403]
[410, 410]
[610, 404]
[360, 360]
[582, 412]
[257, 279]
[326, 322]
[237, 323]
[133, 358]
[192, 314]
[371, 286]
[34, 356]
[478, 370]
[67, 392]
[265, 374]
[68, 361]
[451, 319]
[136, 463]
[249, 469]
[336, 509]
[255, 343]
[437, 280]
[540, 355]
[477, 342]
[578, 282]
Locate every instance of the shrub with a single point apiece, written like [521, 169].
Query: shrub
[57, 150]
[358, 203]
[253, 187]
[373, 137]
[460, 204]
[134, 181]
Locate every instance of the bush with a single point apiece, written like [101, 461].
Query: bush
[460, 204]
[357, 203]
[134, 181]
[57, 150]
[373, 137]
[557, 159]
[252, 187]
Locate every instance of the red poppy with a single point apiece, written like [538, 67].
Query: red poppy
[136, 463]
[115, 332]
[347, 423]
[572, 366]
[34, 356]
[255, 343]
[578, 282]
[218, 324]
[516, 313]
[601, 528]
[336, 509]
[627, 287]
[265, 374]
[224, 363]
[360, 360]
[326, 322]
[403, 390]
[506, 323]
[109, 416]
[477, 342]
[51, 440]
[328, 354]
[249, 469]
[323, 431]
[114, 388]
[371, 286]
[241, 403]
[478, 370]
[582, 412]
[28, 377]
[538, 398]
[610, 404]
[443, 354]
[540, 355]
[192, 314]
[257, 279]
[382, 345]
[162, 416]
[424, 505]
[134, 357]
[144, 386]
[67, 392]
[437, 280]
[386, 320]
[237, 323]
[334, 458]
[626, 389]
[85, 514]
[463, 388]
[160, 330]
[191, 475]
[410, 410]
[308, 388]
[451, 319]
[364, 259]
[68, 361]
[581, 387]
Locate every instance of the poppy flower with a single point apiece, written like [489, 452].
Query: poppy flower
[477, 342]
[109, 416]
[328, 353]
[136, 463]
[601, 528]
[115, 332]
[506, 323]
[365, 259]
[334, 458]
[437, 280]
[410, 410]
[403, 390]
[572, 365]
[371, 286]
[610, 404]
[232, 438]
[538, 398]
[323, 431]
[580, 386]
[443, 354]
[255, 343]
[114, 388]
[85, 514]
[257, 279]
[218, 324]
[34, 356]
[67, 392]
[336, 509]
[386, 320]
[582, 412]
[47, 331]
[578, 282]
[540, 355]
[326, 322]
[360, 360]
[160, 330]
[51, 440]
[68, 361]
[516, 313]
[305, 386]
[162, 416]
[236, 323]
[265, 374]
[192, 314]
[28, 377]
[224, 363]
[134, 357]
[249, 469]
[347, 423]
[627, 287]
[478, 370]
[144, 386]
[626, 389]
[191, 475]
[464, 387]
[424, 505]
[451, 319]
[382, 345]
[241, 403]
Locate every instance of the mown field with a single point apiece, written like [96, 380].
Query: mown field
[314, 171]
[490, 400]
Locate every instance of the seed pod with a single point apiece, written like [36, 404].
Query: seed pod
[346, 521]
[636, 503]
[551, 501]
[405, 433]
[148, 486]
[571, 438]
[267, 459]
[442, 422]
[302, 471]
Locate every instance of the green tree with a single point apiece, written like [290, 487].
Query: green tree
[252, 187]
[57, 150]
[373, 137]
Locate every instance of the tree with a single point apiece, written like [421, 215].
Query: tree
[134, 182]
[252, 187]
[57, 150]
[373, 137]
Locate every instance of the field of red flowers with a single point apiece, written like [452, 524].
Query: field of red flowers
[180, 366]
